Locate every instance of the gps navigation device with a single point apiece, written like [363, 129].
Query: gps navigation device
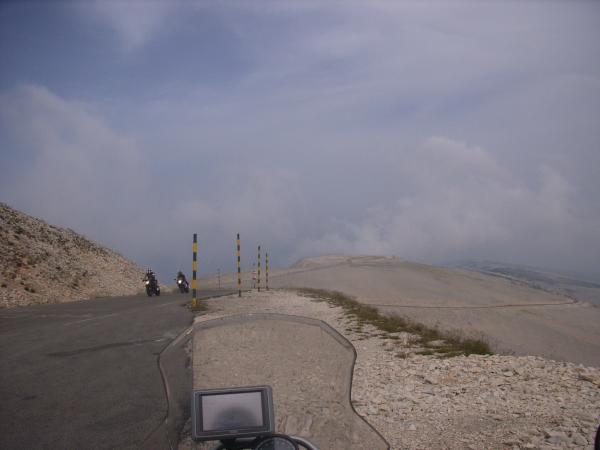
[232, 413]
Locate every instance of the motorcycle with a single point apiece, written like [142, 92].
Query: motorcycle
[246, 367]
[183, 285]
[152, 287]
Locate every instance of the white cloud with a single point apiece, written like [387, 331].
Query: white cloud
[262, 204]
[467, 205]
[135, 21]
[429, 130]
[72, 167]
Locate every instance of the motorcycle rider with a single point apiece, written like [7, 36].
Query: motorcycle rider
[152, 287]
[150, 276]
[182, 283]
[181, 276]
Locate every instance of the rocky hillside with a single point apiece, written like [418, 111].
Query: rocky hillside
[41, 263]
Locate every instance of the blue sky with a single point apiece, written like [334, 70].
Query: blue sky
[434, 131]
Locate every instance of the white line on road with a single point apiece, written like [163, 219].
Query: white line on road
[91, 318]
[166, 304]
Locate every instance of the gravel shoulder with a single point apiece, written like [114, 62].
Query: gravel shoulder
[424, 402]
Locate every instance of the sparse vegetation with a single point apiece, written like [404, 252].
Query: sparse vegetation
[200, 307]
[426, 352]
[447, 345]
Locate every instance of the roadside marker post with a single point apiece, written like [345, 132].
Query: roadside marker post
[258, 281]
[219, 277]
[267, 271]
[239, 280]
[194, 266]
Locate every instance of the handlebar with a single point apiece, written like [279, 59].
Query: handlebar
[306, 444]
[245, 444]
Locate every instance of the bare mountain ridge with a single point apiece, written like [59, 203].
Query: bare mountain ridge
[512, 315]
[41, 263]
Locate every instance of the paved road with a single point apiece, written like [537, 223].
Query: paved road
[86, 374]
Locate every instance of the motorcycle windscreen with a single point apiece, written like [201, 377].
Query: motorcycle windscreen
[305, 361]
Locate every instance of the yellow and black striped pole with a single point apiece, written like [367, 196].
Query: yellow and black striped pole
[258, 280]
[194, 262]
[267, 271]
[238, 267]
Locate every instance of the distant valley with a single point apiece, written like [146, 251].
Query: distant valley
[578, 289]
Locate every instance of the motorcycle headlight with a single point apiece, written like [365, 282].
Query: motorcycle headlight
[147, 282]
[179, 282]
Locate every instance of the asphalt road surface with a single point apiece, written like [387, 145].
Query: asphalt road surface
[86, 374]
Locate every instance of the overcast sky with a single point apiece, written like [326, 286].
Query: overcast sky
[434, 131]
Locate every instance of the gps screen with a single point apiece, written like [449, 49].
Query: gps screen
[232, 411]
[228, 413]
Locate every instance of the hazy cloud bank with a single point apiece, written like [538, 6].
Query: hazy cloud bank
[433, 131]
[465, 205]
[70, 167]
[448, 200]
